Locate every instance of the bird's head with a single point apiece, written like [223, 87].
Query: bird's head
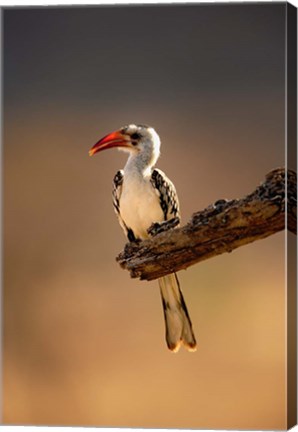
[133, 139]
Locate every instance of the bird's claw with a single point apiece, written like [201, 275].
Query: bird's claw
[159, 227]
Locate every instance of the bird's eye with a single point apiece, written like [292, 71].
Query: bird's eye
[136, 136]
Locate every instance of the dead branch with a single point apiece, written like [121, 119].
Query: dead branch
[221, 227]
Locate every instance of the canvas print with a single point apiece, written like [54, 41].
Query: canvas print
[151, 287]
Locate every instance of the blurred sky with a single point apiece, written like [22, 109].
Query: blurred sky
[84, 343]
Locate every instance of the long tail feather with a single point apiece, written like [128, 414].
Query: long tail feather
[178, 325]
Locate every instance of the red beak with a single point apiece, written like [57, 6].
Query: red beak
[114, 139]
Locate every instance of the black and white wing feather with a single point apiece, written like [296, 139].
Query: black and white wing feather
[167, 194]
[117, 190]
[116, 194]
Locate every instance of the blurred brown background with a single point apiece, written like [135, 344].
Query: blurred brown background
[84, 343]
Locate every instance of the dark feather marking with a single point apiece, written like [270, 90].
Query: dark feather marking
[130, 235]
[117, 190]
[117, 186]
[167, 194]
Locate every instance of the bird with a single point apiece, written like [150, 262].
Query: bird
[145, 200]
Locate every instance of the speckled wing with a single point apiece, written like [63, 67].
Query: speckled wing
[117, 190]
[167, 194]
[116, 194]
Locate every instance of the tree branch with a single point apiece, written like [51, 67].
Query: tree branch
[221, 227]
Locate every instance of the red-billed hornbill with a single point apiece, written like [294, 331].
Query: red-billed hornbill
[145, 198]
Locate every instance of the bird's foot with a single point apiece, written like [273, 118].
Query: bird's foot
[159, 227]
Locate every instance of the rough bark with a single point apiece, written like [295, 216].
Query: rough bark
[221, 227]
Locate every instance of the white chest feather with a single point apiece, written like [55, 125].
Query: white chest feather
[139, 205]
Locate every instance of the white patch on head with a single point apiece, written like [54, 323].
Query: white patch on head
[145, 145]
[155, 138]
